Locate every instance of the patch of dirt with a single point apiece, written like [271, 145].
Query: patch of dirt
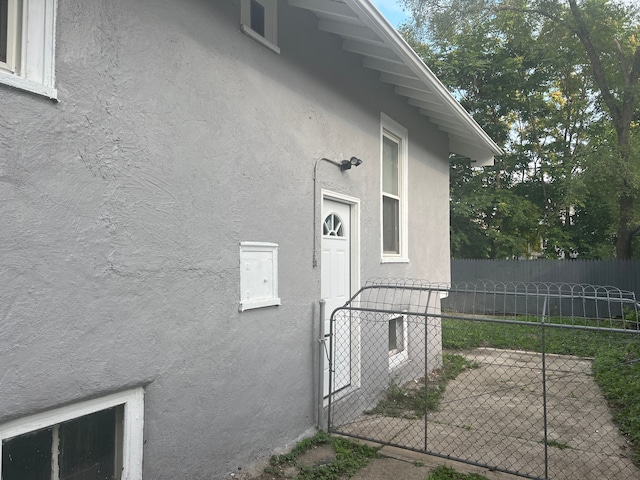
[315, 457]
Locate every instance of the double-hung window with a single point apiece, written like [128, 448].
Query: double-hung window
[394, 149]
[259, 20]
[27, 45]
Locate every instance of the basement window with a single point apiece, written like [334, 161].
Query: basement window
[96, 440]
[259, 20]
[398, 344]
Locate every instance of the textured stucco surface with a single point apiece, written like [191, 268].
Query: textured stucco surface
[177, 137]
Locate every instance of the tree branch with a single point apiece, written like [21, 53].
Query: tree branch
[582, 31]
[623, 61]
[634, 75]
[542, 13]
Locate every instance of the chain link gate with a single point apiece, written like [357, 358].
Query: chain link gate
[492, 374]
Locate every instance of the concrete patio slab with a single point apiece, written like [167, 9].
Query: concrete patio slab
[494, 415]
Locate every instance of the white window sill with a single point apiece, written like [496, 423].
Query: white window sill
[273, 302]
[259, 38]
[394, 260]
[397, 359]
[8, 78]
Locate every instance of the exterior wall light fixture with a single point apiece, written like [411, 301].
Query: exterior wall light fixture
[352, 162]
[345, 164]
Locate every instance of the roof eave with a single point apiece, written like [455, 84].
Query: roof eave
[480, 148]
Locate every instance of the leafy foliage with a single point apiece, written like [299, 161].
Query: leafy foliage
[617, 372]
[350, 458]
[448, 473]
[556, 82]
[468, 334]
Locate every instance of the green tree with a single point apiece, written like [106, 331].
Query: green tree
[538, 75]
[489, 222]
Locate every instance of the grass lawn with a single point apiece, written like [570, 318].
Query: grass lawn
[350, 458]
[447, 473]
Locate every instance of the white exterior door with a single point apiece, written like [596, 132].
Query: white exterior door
[336, 287]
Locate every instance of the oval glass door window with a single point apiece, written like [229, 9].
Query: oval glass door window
[333, 226]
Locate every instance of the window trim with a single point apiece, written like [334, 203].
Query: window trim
[11, 41]
[391, 129]
[132, 442]
[270, 38]
[34, 47]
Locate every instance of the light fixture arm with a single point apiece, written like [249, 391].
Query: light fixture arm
[337, 164]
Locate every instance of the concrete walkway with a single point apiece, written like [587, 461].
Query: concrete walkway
[493, 415]
[400, 464]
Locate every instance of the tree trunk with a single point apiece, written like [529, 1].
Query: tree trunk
[625, 227]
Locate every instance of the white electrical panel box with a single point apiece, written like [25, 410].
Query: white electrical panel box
[258, 275]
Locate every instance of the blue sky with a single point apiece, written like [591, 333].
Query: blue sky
[392, 10]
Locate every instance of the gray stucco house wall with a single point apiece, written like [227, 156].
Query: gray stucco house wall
[174, 138]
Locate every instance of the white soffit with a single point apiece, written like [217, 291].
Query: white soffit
[365, 31]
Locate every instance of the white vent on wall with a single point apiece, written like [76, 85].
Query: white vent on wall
[258, 275]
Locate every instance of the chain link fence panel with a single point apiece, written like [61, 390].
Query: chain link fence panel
[506, 376]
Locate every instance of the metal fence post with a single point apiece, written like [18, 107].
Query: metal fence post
[543, 347]
[321, 361]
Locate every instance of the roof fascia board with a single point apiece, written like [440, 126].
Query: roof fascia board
[356, 32]
[369, 50]
[331, 9]
[394, 68]
[432, 109]
[446, 125]
[463, 139]
[408, 82]
[480, 157]
[370, 15]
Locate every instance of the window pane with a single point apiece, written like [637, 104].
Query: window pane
[390, 225]
[396, 335]
[393, 342]
[257, 17]
[88, 447]
[27, 457]
[389, 166]
[4, 13]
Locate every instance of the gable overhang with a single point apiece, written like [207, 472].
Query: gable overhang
[365, 31]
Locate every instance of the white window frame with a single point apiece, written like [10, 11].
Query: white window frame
[270, 38]
[132, 441]
[32, 40]
[391, 129]
[11, 40]
[398, 357]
